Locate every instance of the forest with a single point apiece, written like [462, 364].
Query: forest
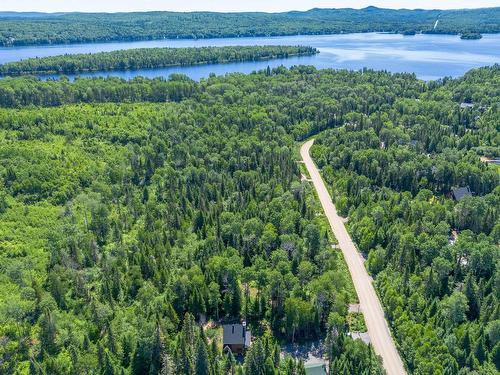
[148, 58]
[436, 260]
[18, 29]
[131, 212]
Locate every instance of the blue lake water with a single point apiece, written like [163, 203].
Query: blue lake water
[428, 56]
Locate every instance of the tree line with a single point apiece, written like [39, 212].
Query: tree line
[39, 29]
[148, 58]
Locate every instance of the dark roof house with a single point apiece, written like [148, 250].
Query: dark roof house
[316, 369]
[461, 192]
[236, 337]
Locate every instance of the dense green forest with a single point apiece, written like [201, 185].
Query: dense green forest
[29, 29]
[132, 210]
[123, 224]
[149, 58]
[436, 261]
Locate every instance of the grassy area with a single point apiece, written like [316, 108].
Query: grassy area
[214, 332]
[356, 322]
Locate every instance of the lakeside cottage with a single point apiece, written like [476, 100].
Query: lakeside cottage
[236, 337]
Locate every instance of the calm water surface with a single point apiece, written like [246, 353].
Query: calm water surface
[428, 56]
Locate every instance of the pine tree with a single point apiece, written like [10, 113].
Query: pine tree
[466, 343]
[269, 367]
[35, 368]
[451, 367]
[57, 290]
[189, 330]
[127, 350]
[471, 294]
[100, 223]
[235, 298]
[108, 367]
[112, 345]
[289, 366]
[101, 360]
[142, 357]
[430, 285]
[184, 360]
[157, 349]
[202, 366]
[480, 349]
[166, 365]
[276, 355]
[495, 356]
[230, 363]
[48, 333]
[226, 303]
[301, 370]
[214, 350]
[255, 361]
[432, 308]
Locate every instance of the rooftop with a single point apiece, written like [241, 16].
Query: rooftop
[316, 369]
[461, 192]
[235, 334]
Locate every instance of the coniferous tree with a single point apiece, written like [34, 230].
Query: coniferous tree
[230, 363]
[472, 298]
[301, 370]
[48, 333]
[108, 367]
[157, 351]
[202, 366]
[480, 349]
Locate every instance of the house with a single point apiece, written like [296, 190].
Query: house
[236, 337]
[316, 369]
[461, 192]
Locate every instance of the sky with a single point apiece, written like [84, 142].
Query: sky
[228, 5]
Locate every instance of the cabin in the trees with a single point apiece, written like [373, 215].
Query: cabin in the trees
[316, 369]
[236, 337]
[461, 192]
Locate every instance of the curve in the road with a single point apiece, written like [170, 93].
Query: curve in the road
[378, 329]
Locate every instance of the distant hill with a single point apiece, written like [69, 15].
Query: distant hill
[28, 14]
[40, 28]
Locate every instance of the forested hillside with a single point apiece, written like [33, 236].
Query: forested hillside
[149, 58]
[101, 27]
[131, 210]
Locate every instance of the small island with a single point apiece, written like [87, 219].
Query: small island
[149, 58]
[470, 36]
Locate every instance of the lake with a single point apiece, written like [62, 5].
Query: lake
[428, 56]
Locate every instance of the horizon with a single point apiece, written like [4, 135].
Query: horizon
[242, 11]
[226, 6]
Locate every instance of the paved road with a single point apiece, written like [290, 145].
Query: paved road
[378, 329]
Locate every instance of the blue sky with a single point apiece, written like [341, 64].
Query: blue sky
[228, 5]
